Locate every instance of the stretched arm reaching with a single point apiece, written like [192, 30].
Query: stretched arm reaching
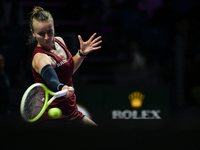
[43, 65]
[85, 48]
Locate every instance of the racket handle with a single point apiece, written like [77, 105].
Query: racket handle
[61, 93]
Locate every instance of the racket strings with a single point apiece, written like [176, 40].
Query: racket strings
[34, 102]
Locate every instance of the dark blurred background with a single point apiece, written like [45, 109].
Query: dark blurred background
[151, 46]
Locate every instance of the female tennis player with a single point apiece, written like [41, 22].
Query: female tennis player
[53, 65]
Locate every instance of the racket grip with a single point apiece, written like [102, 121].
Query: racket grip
[61, 93]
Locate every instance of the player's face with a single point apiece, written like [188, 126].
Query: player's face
[44, 33]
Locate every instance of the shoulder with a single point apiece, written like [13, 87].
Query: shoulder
[38, 57]
[40, 60]
[60, 39]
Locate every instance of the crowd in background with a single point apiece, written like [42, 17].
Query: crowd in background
[145, 43]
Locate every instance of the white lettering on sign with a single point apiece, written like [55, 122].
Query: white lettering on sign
[135, 114]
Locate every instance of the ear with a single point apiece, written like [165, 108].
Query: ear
[32, 32]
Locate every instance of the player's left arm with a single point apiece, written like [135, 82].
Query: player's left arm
[85, 48]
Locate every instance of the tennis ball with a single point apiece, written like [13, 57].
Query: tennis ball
[54, 113]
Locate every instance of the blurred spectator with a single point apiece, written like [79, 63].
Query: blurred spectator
[4, 88]
[138, 60]
[188, 41]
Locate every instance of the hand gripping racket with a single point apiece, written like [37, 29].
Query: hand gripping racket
[36, 100]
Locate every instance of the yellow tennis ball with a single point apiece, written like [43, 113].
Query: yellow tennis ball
[55, 113]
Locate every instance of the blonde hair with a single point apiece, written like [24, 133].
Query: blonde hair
[40, 15]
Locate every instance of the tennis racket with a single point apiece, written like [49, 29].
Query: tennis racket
[36, 100]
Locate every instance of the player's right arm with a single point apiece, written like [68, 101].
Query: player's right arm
[44, 65]
[40, 60]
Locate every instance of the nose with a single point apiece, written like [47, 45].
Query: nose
[46, 37]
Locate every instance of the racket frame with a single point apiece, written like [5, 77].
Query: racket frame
[46, 102]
